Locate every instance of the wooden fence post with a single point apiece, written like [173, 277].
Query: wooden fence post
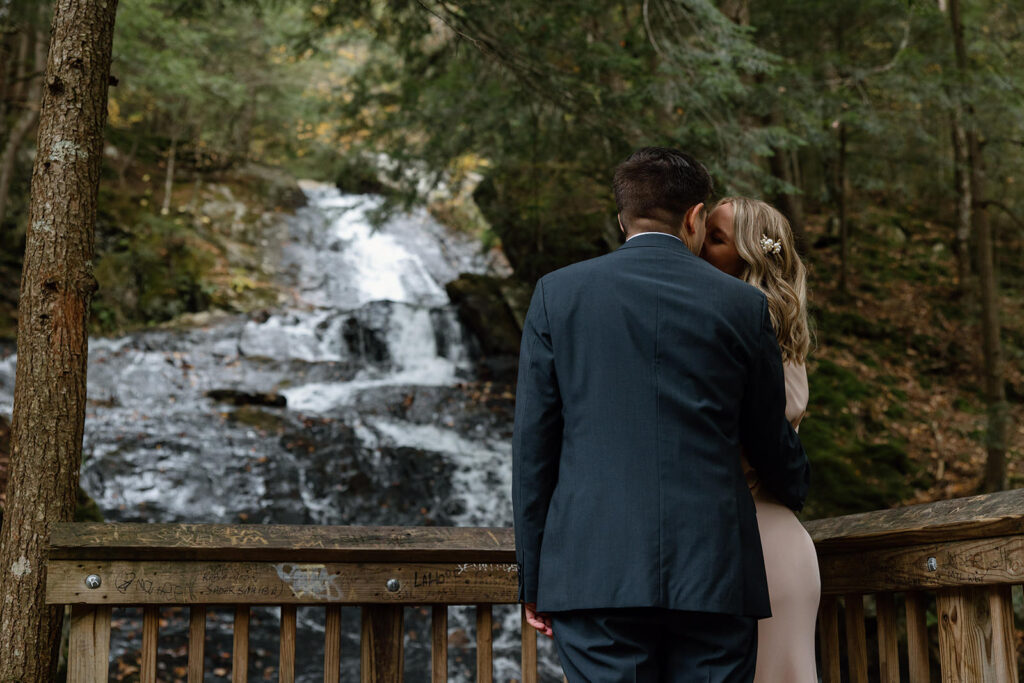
[975, 635]
[382, 654]
[89, 644]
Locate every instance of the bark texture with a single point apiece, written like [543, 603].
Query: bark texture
[56, 291]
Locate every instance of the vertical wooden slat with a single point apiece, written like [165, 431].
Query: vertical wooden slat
[382, 655]
[957, 661]
[439, 644]
[332, 644]
[976, 635]
[89, 644]
[196, 642]
[287, 662]
[856, 638]
[1004, 652]
[484, 637]
[917, 637]
[529, 673]
[828, 637]
[150, 635]
[888, 639]
[240, 652]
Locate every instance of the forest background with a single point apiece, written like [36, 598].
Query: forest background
[888, 131]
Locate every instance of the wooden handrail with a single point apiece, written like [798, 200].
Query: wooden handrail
[279, 542]
[985, 516]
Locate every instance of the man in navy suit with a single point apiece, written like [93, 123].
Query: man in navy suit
[643, 374]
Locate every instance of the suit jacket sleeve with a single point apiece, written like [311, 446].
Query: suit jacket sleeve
[536, 442]
[770, 442]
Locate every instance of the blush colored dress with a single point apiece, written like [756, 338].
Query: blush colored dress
[785, 642]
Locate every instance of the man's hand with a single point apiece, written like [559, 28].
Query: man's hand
[541, 622]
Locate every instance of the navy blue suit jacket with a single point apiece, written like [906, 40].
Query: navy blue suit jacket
[642, 373]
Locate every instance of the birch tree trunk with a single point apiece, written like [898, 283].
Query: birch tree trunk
[56, 290]
[172, 154]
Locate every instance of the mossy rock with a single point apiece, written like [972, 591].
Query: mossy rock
[358, 175]
[279, 189]
[86, 509]
[484, 309]
[259, 419]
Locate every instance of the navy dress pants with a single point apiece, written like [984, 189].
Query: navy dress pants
[655, 645]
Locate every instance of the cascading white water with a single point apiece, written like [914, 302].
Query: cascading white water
[370, 358]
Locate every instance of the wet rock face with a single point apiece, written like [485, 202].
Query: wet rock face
[243, 398]
[484, 310]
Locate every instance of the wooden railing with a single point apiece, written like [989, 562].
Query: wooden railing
[94, 567]
[967, 552]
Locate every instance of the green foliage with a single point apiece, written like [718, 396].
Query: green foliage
[86, 509]
[220, 78]
[855, 465]
[153, 271]
[551, 96]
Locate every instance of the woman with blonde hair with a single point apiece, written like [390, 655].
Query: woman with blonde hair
[752, 241]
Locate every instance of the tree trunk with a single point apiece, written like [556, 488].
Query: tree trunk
[844, 222]
[962, 181]
[988, 285]
[961, 162]
[737, 10]
[56, 290]
[791, 205]
[125, 162]
[6, 76]
[25, 125]
[839, 189]
[21, 63]
[169, 180]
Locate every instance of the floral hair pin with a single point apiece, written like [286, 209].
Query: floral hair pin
[770, 246]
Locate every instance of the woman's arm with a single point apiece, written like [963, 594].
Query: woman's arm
[797, 392]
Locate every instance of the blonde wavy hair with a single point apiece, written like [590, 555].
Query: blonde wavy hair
[781, 276]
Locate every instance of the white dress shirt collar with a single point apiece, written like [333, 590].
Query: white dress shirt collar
[654, 232]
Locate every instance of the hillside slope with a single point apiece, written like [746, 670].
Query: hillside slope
[896, 414]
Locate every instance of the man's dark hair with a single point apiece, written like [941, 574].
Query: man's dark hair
[659, 183]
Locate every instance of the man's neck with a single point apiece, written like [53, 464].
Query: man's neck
[641, 225]
[652, 232]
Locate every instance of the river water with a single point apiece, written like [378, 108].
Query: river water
[383, 422]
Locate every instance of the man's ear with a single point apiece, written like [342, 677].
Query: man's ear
[690, 220]
[618, 217]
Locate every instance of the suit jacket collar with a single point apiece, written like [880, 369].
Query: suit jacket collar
[657, 240]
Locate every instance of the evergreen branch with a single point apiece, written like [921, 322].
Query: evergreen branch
[650, 33]
[1007, 210]
[527, 72]
[863, 75]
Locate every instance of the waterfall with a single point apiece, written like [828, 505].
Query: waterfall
[380, 423]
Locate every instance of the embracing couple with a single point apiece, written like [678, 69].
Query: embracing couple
[656, 465]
